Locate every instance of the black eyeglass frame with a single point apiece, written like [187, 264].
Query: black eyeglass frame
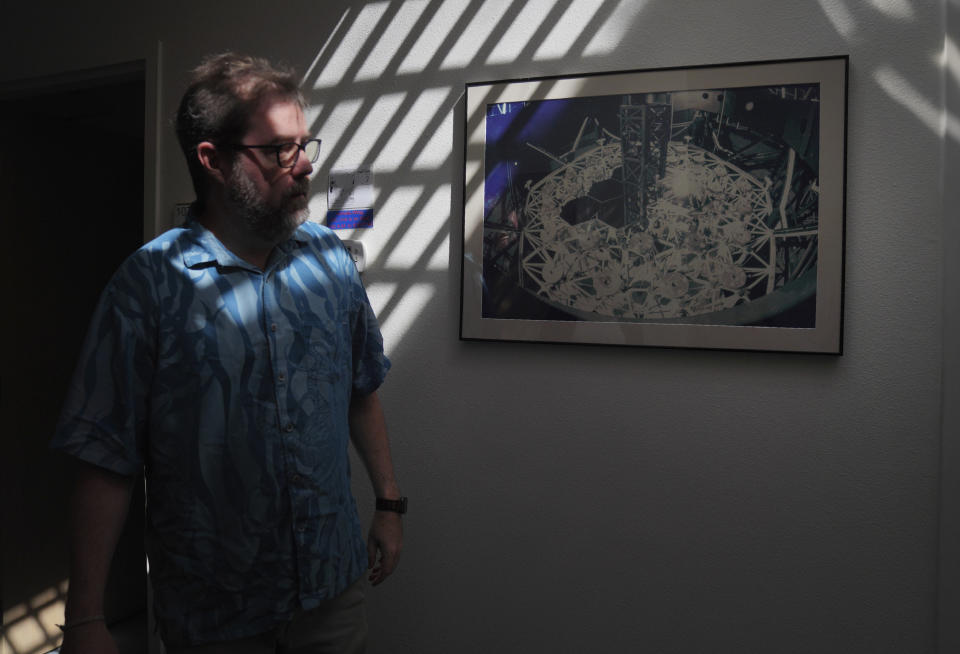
[277, 147]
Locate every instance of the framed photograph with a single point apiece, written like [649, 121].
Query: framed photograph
[697, 207]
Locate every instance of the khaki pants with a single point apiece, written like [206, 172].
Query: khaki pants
[338, 626]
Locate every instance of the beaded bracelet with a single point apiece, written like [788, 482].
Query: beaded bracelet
[81, 621]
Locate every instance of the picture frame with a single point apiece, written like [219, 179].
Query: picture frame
[686, 207]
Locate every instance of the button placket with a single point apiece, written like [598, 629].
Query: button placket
[276, 349]
[278, 363]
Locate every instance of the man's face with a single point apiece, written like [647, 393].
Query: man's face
[271, 200]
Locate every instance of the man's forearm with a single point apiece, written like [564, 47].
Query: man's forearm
[368, 430]
[99, 508]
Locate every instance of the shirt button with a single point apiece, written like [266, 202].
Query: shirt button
[281, 377]
[288, 428]
[296, 478]
[273, 326]
[301, 528]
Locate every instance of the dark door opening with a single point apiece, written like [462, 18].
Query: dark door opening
[71, 192]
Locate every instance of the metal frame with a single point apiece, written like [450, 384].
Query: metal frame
[686, 207]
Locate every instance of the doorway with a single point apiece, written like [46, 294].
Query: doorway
[71, 192]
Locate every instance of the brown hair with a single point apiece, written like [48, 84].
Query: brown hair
[224, 92]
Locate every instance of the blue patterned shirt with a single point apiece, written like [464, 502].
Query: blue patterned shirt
[230, 387]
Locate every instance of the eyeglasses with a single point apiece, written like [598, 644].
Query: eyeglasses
[288, 153]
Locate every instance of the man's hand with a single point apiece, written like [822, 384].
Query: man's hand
[89, 638]
[369, 433]
[386, 537]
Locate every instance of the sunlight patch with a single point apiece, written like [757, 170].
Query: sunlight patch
[372, 126]
[437, 151]
[432, 219]
[436, 32]
[394, 213]
[316, 60]
[30, 627]
[475, 36]
[950, 59]
[410, 132]
[899, 9]
[908, 96]
[518, 35]
[933, 117]
[311, 113]
[389, 41]
[335, 128]
[346, 52]
[379, 294]
[839, 16]
[609, 37]
[409, 308]
[566, 30]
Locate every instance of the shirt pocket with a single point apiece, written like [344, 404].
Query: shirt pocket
[326, 350]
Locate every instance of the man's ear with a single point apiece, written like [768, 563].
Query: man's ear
[212, 160]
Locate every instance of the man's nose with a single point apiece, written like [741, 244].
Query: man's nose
[303, 167]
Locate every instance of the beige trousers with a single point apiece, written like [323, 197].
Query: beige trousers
[338, 626]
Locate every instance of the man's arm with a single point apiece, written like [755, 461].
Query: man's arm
[99, 507]
[368, 430]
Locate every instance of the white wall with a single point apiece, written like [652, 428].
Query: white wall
[575, 499]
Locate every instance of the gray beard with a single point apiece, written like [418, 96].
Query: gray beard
[271, 224]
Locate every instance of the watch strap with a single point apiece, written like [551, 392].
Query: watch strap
[397, 506]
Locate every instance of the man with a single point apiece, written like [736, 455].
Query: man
[233, 359]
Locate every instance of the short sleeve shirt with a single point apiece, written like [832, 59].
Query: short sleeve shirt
[230, 387]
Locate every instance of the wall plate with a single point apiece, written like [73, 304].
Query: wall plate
[355, 248]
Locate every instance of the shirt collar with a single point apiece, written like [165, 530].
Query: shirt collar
[205, 249]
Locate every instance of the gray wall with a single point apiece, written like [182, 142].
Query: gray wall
[949, 613]
[579, 499]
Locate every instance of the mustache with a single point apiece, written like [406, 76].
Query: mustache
[300, 187]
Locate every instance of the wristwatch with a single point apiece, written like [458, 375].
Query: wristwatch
[397, 506]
